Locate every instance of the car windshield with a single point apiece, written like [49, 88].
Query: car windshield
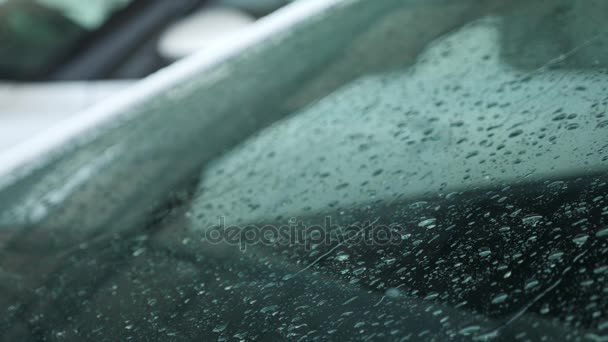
[36, 34]
[441, 177]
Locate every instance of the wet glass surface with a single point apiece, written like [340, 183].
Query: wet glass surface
[443, 178]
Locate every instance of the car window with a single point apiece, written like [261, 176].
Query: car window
[441, 177]
[480, 171]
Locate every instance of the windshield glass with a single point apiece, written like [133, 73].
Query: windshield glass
[34, 34]
[441, 177]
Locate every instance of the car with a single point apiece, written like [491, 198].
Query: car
[58, 58]
[345, 170]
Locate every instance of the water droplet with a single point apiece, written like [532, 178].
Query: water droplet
[359, 271]
[572, 126]
[515, 133]
[220, 328]
[472, 154]
[341, 186]
[500, 298]
[342, 257]
[392, 292]
[418, 205]
[602, 233]
[580, 239]
[531, 284]
[559, 117]
[451, 195]
[469, 330]
[390, 261]
[556, 255]
[377, 172]
[270, 308]
[431, 295]
[484, 252]
[428, 223]
[139, 252]
[531, 219]
[600, 269]
[557, 185]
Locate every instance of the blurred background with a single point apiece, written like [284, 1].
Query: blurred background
[58, 57]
